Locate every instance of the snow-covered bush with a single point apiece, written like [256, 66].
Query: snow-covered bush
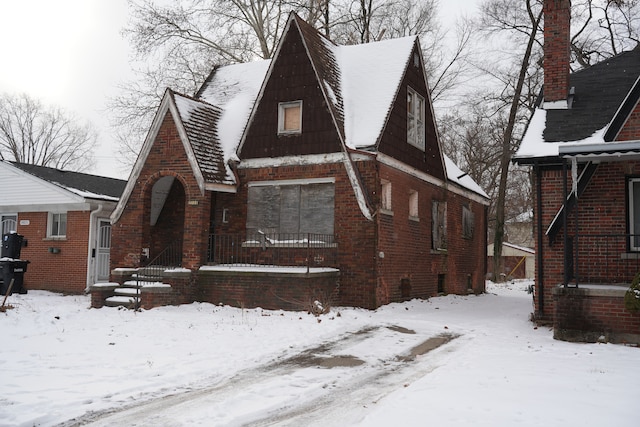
[632, 297]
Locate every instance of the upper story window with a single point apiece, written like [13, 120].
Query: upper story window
[57, 225]
[290, 117]
[415, 119]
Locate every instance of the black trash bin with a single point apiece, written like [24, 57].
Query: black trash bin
[13, 269]
[12, 245]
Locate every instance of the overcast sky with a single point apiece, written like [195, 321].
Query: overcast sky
[70, 53]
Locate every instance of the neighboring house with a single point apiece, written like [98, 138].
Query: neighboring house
[64, 218]
[518, 262]
[519, 230]
[583, 143]
[326, 158]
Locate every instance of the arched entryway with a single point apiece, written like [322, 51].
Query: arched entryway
[165, 217]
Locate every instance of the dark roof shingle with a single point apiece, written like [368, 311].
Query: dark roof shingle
[97, 185]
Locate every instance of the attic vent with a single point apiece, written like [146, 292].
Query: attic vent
[416, 60]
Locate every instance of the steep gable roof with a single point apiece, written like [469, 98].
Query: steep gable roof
[200, 122]
[233, 89]
[595, 114]
[81, 184]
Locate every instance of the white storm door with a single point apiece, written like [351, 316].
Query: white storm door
[103, 252]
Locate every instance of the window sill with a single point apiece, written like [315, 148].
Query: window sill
[439, 251]
[386, 212]
[630, 255]
[414, 218]
[55, 239]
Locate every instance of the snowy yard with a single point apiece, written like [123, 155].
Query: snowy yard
[450, 361]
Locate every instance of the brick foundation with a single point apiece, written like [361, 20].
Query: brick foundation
[594, 314]
[270, 290]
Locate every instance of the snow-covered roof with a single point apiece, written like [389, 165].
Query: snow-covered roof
[604, 95]
[234, 89]
[368, 96]
[455, 174]
[360, 83]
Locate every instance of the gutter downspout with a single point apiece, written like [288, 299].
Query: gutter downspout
[539, 239]
[90, 242]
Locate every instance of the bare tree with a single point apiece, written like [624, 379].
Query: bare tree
[177, 45]
[46, 136]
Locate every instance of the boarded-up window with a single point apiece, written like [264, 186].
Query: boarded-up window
[468, 222]
[302, 208]
[439, 225]
[290, 117]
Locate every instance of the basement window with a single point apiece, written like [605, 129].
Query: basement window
[290, 117]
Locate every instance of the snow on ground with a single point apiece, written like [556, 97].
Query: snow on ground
[201, 364]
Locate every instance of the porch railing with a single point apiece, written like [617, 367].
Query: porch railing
[273, 249]
[604, 258]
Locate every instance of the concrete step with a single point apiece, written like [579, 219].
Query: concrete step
[121, 301]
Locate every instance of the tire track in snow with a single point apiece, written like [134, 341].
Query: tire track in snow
[333, 377]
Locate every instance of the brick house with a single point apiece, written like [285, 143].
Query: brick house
[64, 218]
[583, 143]
[325, 160]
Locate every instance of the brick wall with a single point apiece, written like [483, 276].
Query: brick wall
[405, 257]
[354, 234]
[602, 211]
[594, 314]
[65, 271]
[557, 17]
[185, 215]
[272, 291]
[631, 129]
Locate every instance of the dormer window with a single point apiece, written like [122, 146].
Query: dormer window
[415, 119]
[290, 117]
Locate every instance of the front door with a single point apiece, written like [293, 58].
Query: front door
[103, 252]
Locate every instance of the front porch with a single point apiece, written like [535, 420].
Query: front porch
[269, 270]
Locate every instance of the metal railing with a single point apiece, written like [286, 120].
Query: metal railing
[273, 249]
[152, 271]
[605, 258]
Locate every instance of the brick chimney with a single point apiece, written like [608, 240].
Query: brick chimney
[557, 19]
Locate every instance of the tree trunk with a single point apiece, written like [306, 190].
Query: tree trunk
[505, 158]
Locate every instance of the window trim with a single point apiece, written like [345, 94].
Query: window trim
[413, 138]
[282, 107]
[50, 221]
